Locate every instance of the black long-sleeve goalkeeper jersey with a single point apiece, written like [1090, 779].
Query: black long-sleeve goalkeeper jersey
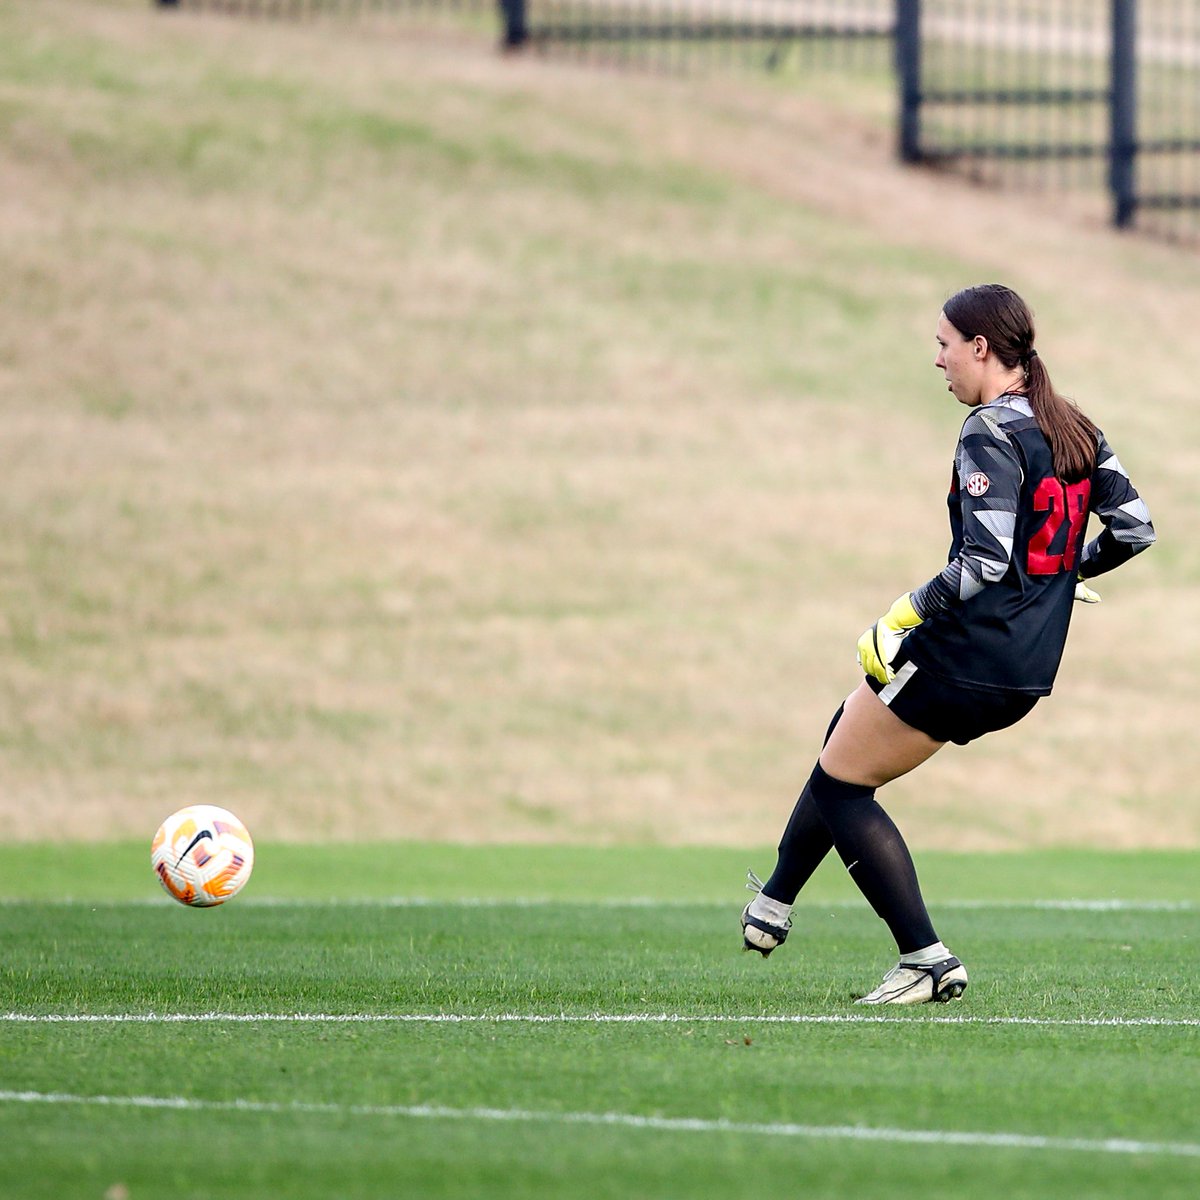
[997, 615]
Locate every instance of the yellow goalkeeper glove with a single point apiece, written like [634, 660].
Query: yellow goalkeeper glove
[1084, 594]
[878, 645]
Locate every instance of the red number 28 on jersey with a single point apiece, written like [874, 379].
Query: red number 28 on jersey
[1064, 502]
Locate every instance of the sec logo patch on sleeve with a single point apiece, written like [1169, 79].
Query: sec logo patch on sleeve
[978, 483]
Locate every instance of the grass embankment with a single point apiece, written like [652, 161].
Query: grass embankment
[404, 441]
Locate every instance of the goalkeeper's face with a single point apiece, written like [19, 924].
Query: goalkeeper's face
[961, 361]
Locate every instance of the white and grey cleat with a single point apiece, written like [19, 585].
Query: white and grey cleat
[758, 934]
[907, 984]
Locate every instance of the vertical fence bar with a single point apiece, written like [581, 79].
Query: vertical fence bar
[1123, 137]
[908, 69]
[516, 28]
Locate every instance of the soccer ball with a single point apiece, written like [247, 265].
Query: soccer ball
[202, 855]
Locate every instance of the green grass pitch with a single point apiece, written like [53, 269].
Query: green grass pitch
[587, 1021]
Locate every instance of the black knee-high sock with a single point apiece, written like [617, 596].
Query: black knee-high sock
[875, 855]
[804, 844]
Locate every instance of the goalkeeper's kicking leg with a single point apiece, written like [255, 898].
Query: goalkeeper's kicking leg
[805, 843]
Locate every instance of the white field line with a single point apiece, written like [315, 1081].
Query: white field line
[19, 1018]
[1110, 905]
[859, 1133]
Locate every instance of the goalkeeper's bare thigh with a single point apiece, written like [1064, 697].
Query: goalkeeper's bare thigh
[871, 746]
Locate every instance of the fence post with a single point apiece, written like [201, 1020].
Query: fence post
[1123, 108]
[908, 70]
[516, 32]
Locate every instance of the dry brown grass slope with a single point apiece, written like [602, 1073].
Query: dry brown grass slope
[404, 441]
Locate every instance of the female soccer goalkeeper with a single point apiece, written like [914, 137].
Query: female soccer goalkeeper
[973, 649]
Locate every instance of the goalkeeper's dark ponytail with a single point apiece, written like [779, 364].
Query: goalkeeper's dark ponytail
[997, 313]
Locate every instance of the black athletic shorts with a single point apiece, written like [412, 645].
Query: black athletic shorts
[949, 712]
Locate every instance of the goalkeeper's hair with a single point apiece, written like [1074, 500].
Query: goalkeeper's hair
[997, 313]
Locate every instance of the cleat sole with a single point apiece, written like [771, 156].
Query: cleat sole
[766, 953]
[951, 992]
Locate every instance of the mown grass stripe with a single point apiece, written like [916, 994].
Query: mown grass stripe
[587, 1019]
[925, 1137]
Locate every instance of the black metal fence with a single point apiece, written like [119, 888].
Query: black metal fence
[298, 10]
[1096, 99]
[312, 8]
[1084, 97]
[683, 34]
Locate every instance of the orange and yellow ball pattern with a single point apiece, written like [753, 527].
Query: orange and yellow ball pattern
[202, 855]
